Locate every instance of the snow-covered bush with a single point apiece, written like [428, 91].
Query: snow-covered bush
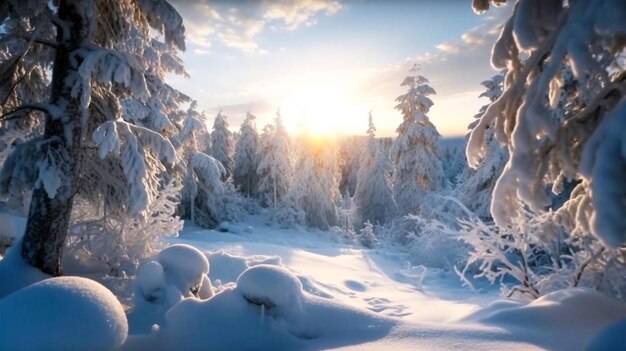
[121, 241]
[179, 271]
[272, 287]
[528, 252]
[64, 313]
[366, 235]
[288, 214]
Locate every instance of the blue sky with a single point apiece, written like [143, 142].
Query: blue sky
[326, 63]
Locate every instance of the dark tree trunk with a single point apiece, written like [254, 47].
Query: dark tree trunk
[48, 218]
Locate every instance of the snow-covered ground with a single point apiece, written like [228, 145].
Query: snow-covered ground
[378, 302]
[308, 290]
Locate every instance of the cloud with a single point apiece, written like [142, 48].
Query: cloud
[236, 24]
[449, 47]
[455, 71]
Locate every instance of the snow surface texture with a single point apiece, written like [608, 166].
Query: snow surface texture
[351, 298]
[65, 313]
[575, 315]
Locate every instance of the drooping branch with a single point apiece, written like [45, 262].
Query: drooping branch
[47, 108]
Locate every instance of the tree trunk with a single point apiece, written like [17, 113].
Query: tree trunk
[48, 218]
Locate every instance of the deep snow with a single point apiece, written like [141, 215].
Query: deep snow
[307, 290]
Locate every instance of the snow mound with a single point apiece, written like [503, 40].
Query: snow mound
[179, 272]
[576, 315]
[226, 267]
[150, 279]
[65, 313]
[270, 286]
[184, 266]
[16, 274]
[11, 230]
[211, 324]
[611, 338]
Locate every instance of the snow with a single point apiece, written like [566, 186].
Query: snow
[15, 273]
[296, 289]
[611, 338]
[575, 315]
[65, 313]
[271, 287]
[184, 266]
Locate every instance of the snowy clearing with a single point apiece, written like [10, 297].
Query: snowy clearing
[359, 299]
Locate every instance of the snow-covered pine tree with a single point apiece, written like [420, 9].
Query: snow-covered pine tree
[373, 198]
[316, 182]
[222, 143]
[477, 186]
[417, 167]
[208, 198]
[534, 44]
[274, 170]
[247, 157]
[97, 57]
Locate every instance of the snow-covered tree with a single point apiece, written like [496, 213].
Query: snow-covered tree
[99, 53]
[373, 198]
[274, 170]
[247, 157]
[222, 143]
[585, 143]
[417, 167]
[316, 182]
[208, 197]
[476, 189]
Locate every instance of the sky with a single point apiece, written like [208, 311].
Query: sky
[324, 64]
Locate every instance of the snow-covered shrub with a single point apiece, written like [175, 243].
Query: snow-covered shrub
[366, 235]
[184, 267]
[541, 257]
[179, 271]
[436, 244]
[121, 241]
[272, 287]
[287, 214]
[64, 313]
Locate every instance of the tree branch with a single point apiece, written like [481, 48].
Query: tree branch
[39, 107]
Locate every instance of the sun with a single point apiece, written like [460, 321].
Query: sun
[319, 105]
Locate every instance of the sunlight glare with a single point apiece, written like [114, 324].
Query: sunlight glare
[319, 104]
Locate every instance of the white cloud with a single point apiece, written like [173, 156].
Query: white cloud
[449, 47]
[455, 71]
[236, 24]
